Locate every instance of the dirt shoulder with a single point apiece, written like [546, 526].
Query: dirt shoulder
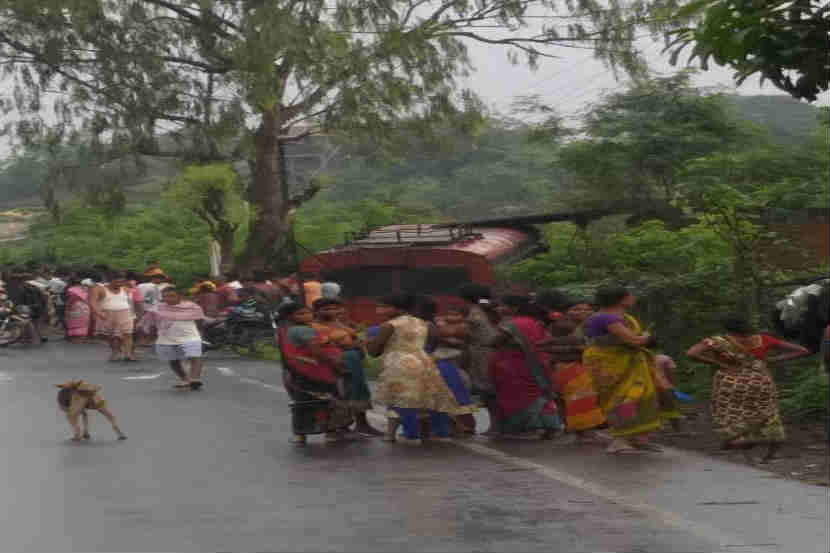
[804, 457]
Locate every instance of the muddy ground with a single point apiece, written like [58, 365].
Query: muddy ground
[804, 457]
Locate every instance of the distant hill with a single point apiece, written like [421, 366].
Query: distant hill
[787, 120]
[304, 158]
[785, 117]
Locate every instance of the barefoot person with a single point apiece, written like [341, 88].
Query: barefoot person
[623, 372]
[744, 396]
[113, 310]
[179, 338]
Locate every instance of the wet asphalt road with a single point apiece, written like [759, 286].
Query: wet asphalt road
[214, 471]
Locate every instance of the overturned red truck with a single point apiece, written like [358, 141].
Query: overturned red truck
[434, 259]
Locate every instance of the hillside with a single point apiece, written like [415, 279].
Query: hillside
[784, 117]
[500, 174]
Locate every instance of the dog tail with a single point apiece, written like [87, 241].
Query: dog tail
[64, 397]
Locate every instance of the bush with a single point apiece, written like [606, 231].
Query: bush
[86, 237]
[805, 398]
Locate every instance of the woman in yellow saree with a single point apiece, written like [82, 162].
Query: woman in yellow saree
[623, 372]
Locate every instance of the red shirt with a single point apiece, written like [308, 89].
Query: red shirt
[767, 343]
[228, 294]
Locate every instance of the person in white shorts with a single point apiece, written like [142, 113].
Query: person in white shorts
[179, 338]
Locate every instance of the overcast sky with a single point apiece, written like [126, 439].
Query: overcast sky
[573, 81]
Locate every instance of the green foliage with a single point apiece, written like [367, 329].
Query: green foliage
[501, 171]
[771, 38]
[806, 397]
[683, 276]
[230, 80]
[17, 181]
[214, 195]
[87, 237]
[638, 140]
[212, 192]
[786, 119]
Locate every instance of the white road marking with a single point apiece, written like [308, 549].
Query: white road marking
[655, 513]
[5, 378]
[650, 511]
[143, 377]
[226, 371]
[262, 384]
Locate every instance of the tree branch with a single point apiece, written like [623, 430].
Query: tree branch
[199, 20]
[202, 65]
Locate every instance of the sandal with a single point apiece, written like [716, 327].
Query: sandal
[649, 447]
[196, 384]
[369, 432]
[182, 386]
[625, 451]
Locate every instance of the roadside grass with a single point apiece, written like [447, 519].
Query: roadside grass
[802, 389]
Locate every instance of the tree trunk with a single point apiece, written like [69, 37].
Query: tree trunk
[746, 286]
[226, 260]
[270, 219]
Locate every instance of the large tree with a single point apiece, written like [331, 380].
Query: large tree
[782, 41]
[635, 143]
[211, 192]
[236, 79]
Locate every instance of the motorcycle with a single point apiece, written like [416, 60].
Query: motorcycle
[16, 325]
[247, 331]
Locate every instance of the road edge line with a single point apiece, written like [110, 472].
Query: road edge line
[652, 512]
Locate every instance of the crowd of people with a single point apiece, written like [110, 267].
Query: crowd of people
[128, 309]
[539, 365]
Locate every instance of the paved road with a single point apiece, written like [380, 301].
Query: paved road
[214, 471]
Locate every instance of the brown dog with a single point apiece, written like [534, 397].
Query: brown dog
[75, 398]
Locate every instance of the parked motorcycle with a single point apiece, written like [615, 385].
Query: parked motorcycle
[250, 331]
[16, 326]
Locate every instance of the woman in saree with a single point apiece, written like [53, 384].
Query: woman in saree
[482, 333]
[77, 314]
[524, 393]
[623, 372]
[311, 378]
[744, 397]
[409, 382]
[342, 343]
[571, 379]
